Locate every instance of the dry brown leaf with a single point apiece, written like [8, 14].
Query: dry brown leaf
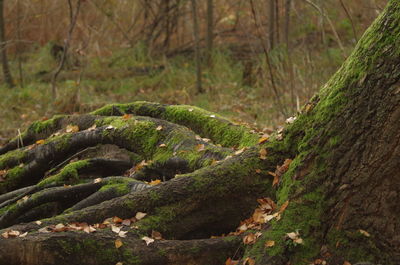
[263, 139]
[154, 182]
[284, 206]
[92, 128]
[269, 243]
[140, 215]
[162, 145]
[115, 229]
[364, 233]
[72, 128]
[122, 233]
[156, 235]
[159, 128]
[200, 147]
[249, 239]
[275, 181]
[148, 240]
[140, 165]
[263, 153]
[40, 142]
[238, 152]
[117, 220]
[230, 261]
[249, 261]
[258, 216]
[127, 222]
[118, 243]
[346, 263]
[127, 116]
[258, 171]
[97, 180]
[23, 235]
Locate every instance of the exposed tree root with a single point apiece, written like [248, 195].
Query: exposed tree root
[99, 248]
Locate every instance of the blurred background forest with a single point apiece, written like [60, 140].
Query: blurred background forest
[254, 61]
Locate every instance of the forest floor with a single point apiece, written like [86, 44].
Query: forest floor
[233, 89]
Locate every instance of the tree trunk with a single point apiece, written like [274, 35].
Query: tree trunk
[210, 30]
[334, 173]
[196, 34]
[3, 47]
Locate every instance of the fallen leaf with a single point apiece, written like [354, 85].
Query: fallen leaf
[284, 206]
[364, 233]
[212, 116]
[141, 165]
[110, 127]
[118, 243]
[263, 153]
[13, 233]
[127, 222]
[263, 139]
[117, 220]
[97, 180]
[122, 233]
[140, 215]
[5, 234]
[154, 182]
[162, 145]
[258, 216]
[92, 128]
[275, 181]
[40, 142]
[346, 263]
[156, 235]
[199, 147]
[59, 228]
[127, 116]
[38, 222]
[258, 171]
[290, 120]
[249, 239]
[269, 243]
[295, 237]
[23, 235]
[230, 261]
[72, 128]
[249, 261]
[190, 110]
[119, 263]
[159, 128]
[115, 229]
[148, 240]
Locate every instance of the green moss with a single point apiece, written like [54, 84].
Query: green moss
[141, 135]
[120, 189]
[12, 158]
[211, 125]
[61, 142]
[68, 175]
[43, 126]
[205, 123]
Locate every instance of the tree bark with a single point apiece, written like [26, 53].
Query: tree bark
[196, 34]
[3, 47]
[333, 172]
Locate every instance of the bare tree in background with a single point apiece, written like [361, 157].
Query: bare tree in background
[210, 30]
[73, 15]
[271, 23]
[196, 33]
[6, 69]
